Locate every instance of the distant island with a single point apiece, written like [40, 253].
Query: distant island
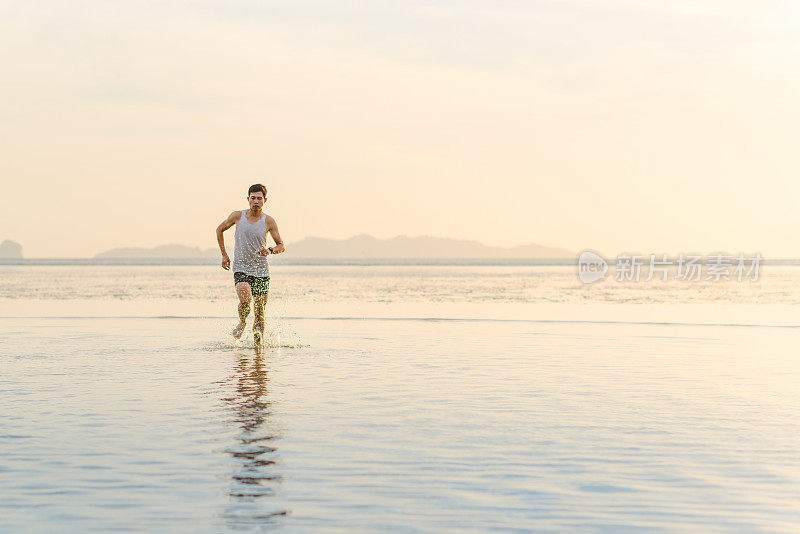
[10, 250]
[361, 246]
[172, 252]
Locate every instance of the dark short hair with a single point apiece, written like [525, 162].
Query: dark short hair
[257, 188]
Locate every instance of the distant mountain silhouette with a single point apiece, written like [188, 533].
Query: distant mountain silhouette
[360, 246]
[10, 249]
[366, 246]
[162, 252]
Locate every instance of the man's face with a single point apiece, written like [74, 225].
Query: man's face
[256, 200]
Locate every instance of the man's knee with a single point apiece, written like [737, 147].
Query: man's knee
[244, 292]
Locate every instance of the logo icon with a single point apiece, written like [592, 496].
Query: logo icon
[591, 267]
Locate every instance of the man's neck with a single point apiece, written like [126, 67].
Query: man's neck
[254, 213]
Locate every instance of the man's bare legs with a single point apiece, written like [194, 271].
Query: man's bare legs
[259, 301]
[245, 296]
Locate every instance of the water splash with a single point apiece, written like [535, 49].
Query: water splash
[276, 336]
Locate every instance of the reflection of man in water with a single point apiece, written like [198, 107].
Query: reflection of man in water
[254, 450]
[250, 266]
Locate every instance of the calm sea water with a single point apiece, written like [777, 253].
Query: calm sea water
[397, 398]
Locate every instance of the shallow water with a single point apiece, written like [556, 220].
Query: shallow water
[395, 284]
[145, 424]
[434, 398]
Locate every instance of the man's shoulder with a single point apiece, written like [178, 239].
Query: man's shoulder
[235, 214]
[270, 220]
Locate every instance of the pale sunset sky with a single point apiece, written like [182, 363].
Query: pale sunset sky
[618, 125]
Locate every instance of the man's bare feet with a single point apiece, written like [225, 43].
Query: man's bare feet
[258, 341]
[237, 332]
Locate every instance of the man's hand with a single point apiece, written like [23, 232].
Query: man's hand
[226, 262]
[264, 252]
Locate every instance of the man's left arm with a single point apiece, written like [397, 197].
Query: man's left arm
[276, 236]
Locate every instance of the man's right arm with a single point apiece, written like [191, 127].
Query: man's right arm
[224, 225]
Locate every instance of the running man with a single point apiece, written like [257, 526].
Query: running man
[250, 266]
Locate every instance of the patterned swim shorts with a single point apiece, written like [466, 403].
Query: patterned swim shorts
[258, 285]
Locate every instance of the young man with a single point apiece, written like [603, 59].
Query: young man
[250, 266]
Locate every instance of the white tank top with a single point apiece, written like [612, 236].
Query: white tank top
[250, 238]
